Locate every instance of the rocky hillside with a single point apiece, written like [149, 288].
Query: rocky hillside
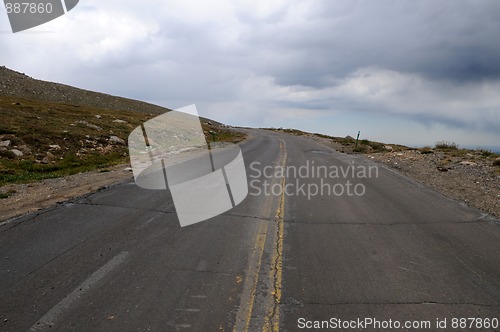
[50, 130]
[40, 139]
[19, 85]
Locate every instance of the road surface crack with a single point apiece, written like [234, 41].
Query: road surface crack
[273, 317]
[403, 303]
[90, 203]
[182, 269]
[276, 278]
[475, 221]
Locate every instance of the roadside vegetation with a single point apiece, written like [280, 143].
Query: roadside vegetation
[448, 151]
[451, 149]
[43, 139]
[445, 145]
[345, 144]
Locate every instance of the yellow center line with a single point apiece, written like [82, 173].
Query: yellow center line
[244, 315]
[276, 273]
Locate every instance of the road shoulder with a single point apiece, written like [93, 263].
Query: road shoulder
[27, 198]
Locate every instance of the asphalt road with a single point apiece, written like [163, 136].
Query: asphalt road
[384, 248]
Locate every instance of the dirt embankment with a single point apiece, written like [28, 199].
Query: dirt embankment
[26, 198]
[468, 177]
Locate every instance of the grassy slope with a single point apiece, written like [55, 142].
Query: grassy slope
[33, 125]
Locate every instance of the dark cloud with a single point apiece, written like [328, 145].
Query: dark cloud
[453, 40]
[251, 62]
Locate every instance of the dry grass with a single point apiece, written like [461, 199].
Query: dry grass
[445, 145]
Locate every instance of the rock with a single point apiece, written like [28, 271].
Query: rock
[442, 169]
[5, 143]
[116, 140]
[98, 116]
[119, 121]
[48, 158]
[388, 148]
[55, 147]
[25, 149]
[128, 169]
[106, 149]
[17, 153]
[468, 163]
[93, 126]
[90, 125]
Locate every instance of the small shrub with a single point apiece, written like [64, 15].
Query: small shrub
[323, 136]
[486, 153]
[496, 162]
[4, 130]
[347, 141]
[360, 149]
[7, 154]
[293, 131]
[459, 153]
[445, 145]
[378, 147]
[426, 150]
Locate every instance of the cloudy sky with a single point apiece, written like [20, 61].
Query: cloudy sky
[411, 72]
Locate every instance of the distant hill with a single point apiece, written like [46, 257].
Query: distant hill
[13, 83]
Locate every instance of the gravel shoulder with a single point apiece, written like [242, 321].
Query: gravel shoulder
[26, 198]
[467, 179]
